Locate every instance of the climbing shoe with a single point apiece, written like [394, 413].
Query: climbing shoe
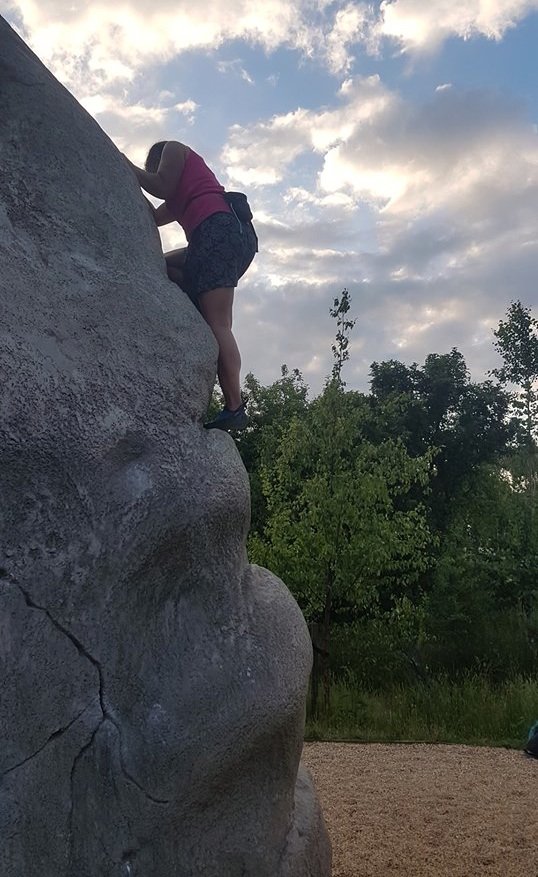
[229, 420]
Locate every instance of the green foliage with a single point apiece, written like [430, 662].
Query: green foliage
[405, 522]
[333, 519]
[334, 528]
[488, 542]
[436, 407]
[337, 528]
[517, 343]
[271, 409]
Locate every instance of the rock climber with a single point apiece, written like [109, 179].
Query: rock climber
[221, 244]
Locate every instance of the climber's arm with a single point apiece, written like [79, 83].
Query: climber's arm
[164, 183]
[162, 215]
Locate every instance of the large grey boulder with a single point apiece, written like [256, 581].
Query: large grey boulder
[152, 683]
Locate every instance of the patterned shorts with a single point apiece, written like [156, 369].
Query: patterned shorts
[219, 252]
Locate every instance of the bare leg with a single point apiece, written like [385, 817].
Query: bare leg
[216, 307]
[175, 261]
[175, 274]
[176, 258]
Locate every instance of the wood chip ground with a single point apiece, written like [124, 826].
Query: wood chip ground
[427, 811]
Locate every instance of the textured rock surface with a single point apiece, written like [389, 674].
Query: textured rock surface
[152, 683]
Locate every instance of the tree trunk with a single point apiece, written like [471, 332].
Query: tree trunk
[324, 649]
[320, 680]
[316, 669]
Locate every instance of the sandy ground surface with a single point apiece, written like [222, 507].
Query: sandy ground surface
[417, 810]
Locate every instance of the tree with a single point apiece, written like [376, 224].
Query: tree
[517, 343]
[270, 408]
[437, 407]
[333, 525]
[483, 602]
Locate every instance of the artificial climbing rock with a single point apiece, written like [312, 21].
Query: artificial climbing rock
[152, 683]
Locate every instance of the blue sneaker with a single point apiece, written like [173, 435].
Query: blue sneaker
[229, 420]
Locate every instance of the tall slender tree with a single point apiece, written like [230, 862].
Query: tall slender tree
[517, 342]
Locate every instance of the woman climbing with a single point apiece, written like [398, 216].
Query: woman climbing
[221, 246]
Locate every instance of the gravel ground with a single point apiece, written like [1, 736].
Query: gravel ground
[427, 811]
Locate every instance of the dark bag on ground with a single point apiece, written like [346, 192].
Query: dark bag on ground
[531, 747]
[239, 204]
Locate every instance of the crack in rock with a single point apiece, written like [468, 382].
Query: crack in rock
[106, 714]
[76, 642]
[76, 760]
[53, 736]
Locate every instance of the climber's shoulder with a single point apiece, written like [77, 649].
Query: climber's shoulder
[171, 165]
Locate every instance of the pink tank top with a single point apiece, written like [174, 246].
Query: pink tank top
[199, 195]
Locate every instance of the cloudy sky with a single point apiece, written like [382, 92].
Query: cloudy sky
[390, 148]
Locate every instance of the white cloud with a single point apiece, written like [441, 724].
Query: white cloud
[459, 154]
[187, 108]
[235, 67]
[427, 213]
[135, 114]
[260, 154]
[91, 46]
[353, 24]
[133, 126]
[446, 183]
[420, 25]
